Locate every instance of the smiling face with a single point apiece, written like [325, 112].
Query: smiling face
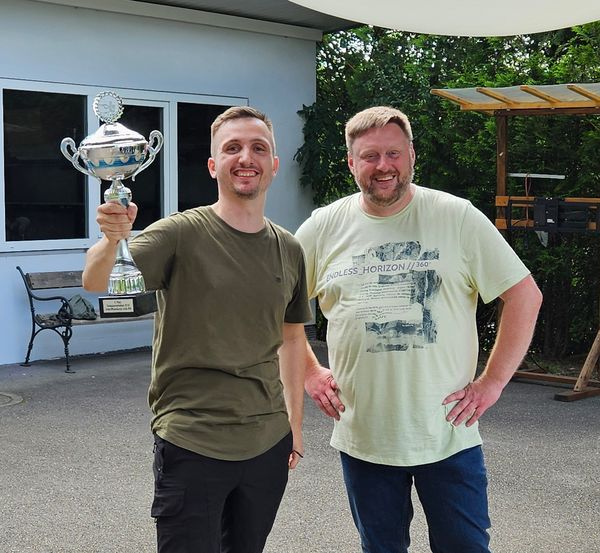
[382, 160]
[243, 160]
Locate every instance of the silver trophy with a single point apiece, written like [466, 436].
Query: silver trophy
[115, 153]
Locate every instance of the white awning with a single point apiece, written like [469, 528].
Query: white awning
[463, 17]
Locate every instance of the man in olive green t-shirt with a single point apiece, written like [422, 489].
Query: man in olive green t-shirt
[227, 378]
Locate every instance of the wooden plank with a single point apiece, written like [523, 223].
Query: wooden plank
[540, 94]
[572, 395]
[502, 201]
[55, 279]
[496, 96]
[588, 366]
[502, 224]
[584, 200]
[453, 97]
[551, 378]
[541, 110]
[584, 92]
[528, 202]
[540, 107]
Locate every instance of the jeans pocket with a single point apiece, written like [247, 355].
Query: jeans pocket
[167, 502]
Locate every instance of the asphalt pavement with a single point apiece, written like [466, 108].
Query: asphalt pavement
[76, 455]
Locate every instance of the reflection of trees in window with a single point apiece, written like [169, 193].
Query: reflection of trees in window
[196, 186]
[45, 197]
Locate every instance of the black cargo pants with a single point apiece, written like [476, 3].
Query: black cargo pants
[205, 505]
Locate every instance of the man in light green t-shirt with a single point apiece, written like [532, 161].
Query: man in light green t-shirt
[398, 269]
[227, 375]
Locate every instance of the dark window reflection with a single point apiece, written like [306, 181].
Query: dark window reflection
[196, 186]
[147, 187]
[45, 197]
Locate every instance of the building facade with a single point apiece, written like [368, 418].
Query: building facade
[175, 69]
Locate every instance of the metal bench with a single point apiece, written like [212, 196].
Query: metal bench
[57, 321]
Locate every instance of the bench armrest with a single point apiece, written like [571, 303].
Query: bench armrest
[64, 311]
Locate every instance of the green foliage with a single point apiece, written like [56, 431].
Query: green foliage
[456, 151]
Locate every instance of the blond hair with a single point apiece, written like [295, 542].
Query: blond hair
[375, 118]
[240, 112]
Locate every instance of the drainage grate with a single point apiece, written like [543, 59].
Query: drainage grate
[7, 399]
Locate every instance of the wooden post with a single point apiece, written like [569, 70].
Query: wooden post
[588, 366]
[501, 165]
[501, 153]
[582, 388]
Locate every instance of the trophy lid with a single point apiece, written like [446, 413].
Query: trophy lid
[112, 133]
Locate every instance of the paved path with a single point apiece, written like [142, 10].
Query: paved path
[75, 458]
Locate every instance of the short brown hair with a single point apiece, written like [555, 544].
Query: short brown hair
[375, 118]
[241, 112]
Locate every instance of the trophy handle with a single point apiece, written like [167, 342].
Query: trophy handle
[155, 138]
[70, 151]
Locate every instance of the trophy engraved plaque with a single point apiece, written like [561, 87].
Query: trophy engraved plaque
[115, 153]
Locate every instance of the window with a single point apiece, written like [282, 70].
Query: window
[46, 204]
[196, 186]
[45, 197]
[146, 189]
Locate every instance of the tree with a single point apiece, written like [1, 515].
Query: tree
[370, 66]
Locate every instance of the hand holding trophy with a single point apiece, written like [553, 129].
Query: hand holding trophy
[116, 153]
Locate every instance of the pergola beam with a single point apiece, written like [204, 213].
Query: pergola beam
[453, 97]
[539, 94]
[495, 95]
[584, 92]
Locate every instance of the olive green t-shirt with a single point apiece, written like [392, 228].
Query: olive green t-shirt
[223, 296]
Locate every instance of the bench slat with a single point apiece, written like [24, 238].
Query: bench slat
[63, 279]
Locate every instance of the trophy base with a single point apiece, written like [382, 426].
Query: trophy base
[127, 305]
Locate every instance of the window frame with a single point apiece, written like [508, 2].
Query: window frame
[167, 100]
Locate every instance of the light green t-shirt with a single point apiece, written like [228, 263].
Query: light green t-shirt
[223, 296]
[400, 295]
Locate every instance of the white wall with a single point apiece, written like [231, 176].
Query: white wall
[40, 41]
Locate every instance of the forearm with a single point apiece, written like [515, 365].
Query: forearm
[99, 262]
[515, 331]
[311, 363]
[291, 368]
[521, 305]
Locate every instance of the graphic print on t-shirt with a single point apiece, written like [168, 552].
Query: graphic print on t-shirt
[399, 285]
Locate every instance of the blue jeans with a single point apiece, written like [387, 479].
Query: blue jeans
[453, 493]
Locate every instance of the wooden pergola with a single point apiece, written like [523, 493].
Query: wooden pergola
[534, 100]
